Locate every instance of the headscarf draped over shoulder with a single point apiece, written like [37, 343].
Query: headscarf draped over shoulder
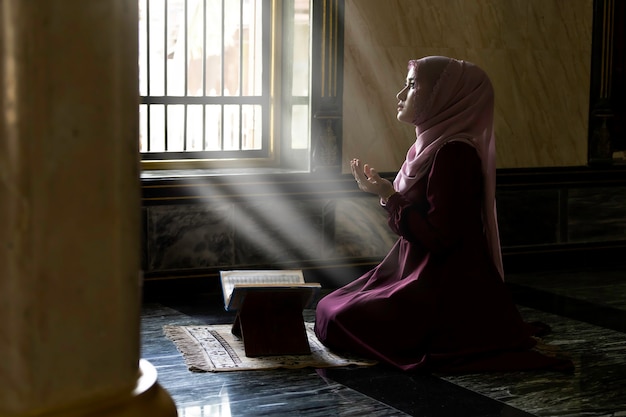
[456, 103]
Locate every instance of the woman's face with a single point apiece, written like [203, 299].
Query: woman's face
[408, 96]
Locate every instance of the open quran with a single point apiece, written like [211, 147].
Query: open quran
[269, 308]
[235, 285]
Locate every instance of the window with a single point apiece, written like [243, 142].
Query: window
[224, 83]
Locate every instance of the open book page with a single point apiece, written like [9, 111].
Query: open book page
[266, 277]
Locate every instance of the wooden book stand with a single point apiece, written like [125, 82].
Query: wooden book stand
[269, 319]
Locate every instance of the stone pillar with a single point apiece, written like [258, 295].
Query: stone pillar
[70, 212]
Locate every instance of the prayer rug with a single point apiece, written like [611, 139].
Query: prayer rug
[213, 348]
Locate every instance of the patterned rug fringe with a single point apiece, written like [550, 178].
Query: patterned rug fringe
[213, 348]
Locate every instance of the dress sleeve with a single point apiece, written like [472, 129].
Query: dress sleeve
[452, 204]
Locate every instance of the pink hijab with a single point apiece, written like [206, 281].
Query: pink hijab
[457, 106]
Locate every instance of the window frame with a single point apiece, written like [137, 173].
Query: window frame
[272, 102]
[325, 98]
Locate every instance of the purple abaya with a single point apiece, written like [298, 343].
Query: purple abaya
[437, 301]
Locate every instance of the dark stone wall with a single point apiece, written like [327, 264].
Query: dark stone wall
[326, 226]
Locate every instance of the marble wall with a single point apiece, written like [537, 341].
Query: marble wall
[276, 234]
[537, 53]
[187, 239]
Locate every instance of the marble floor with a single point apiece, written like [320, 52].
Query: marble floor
[586, 310]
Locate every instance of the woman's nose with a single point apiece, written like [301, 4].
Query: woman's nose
[401, 94]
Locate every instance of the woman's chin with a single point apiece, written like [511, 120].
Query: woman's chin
[402, 118]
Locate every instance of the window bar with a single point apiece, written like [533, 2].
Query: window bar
[147, 63]
[204, 89]
[265, 76]
[240, 73]
[186, 31]
[165, 21]
[186, 86]
[222, 74]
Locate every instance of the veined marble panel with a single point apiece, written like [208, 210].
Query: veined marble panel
[517, 227]
[597, 214]
[189, 236]
[278, 231]
[535, 51]
[233, 234]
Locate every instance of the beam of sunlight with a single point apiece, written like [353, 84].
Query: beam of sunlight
[279, 230]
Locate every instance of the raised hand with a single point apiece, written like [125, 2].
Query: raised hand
[369, 181]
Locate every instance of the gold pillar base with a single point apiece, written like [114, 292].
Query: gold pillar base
[147, 399]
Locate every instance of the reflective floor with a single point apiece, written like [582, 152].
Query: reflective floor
[586, 309]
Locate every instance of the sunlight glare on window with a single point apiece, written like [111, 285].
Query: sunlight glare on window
[194, 55]
[300, 76]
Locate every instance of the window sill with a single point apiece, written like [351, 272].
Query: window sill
[166, 174]
[202, 185]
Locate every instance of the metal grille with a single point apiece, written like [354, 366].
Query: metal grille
[204, 78]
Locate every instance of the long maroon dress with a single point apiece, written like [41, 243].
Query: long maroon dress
[437, 301]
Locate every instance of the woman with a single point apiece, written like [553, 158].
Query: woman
[437, 301]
